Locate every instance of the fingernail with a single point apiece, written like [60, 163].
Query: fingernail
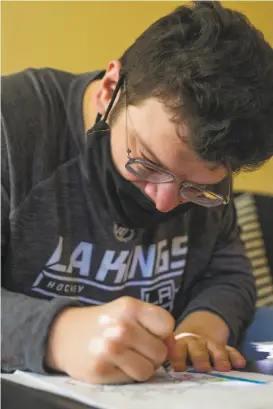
[178, 367]
[240, 362]
[203, 366]
[226, 367]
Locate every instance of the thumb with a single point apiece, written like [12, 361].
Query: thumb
[173, 353]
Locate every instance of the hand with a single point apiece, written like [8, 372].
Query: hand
[202, 351]
[119, 342]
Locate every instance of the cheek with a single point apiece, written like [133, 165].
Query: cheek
[139, 184]
[118, 152]
[119, 157]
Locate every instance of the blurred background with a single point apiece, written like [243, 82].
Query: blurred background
[80, 36]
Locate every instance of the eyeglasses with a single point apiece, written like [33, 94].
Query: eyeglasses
[146, 170]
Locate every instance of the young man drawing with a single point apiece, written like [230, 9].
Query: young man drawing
[119, 229]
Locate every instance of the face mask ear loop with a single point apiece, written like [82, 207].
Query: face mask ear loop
[118, 86]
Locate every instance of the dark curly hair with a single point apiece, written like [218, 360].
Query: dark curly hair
[213, 70]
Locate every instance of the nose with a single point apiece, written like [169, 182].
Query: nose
[166, 196]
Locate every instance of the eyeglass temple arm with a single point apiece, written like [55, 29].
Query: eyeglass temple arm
[118, 86]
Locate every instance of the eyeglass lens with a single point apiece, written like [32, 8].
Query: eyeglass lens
[191, 193]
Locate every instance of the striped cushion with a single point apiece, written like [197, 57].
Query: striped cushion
[252, 237]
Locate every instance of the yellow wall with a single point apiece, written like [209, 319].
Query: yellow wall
[81, 36]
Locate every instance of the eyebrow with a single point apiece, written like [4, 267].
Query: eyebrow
[210, 166]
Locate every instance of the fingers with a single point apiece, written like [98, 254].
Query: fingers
[179, 363]
[125, 335]
[191, 348]
[109, 354]
[129, 347]
[237, 360]
[148, 345]
[104, 373]
[171, 344]
[134, 365]
[155, 319]
[225, 357]
[219, 356]
[199, 354]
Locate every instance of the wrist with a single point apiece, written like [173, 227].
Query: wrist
[206, 324]
[57, 338]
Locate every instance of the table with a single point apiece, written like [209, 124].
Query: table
[15, 396]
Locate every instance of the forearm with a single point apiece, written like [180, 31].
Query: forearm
[25, 325]
[226, 290]
[205, 323]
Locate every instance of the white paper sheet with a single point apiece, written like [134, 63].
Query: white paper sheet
[188, 391]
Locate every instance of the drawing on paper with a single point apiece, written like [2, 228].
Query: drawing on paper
[161, 383]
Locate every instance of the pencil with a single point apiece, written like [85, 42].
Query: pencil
[232, 378]
[167, 367]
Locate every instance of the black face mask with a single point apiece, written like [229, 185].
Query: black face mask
[125, 203]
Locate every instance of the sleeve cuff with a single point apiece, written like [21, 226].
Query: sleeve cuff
[188, 311]
[35, 351]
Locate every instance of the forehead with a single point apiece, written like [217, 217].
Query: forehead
[154, 126]
[168, 142]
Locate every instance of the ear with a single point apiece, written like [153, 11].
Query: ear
[107, 86]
